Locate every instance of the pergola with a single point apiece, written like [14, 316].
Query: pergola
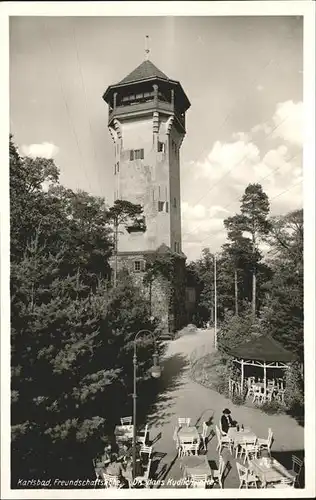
[263, 352]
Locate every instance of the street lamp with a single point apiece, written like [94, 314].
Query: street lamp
[215, 303]
[155, 371]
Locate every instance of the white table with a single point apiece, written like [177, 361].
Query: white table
[272, 473]
[241, 436]
[197, 465]
[188, 433]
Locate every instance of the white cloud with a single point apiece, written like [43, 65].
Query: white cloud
[220, 180]
[224, 157]
[286, 123]
[261, 127]
[240, 136]
[289, 120]
[43, 150]
[198, 221]
[193, 212]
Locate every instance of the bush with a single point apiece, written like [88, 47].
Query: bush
[294, 389]
[187, 330]
[212, 372]
[294, 392]
[236, 329]
[238, 399]
[271, 407]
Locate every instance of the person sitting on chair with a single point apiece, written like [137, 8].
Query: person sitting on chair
[227, 421]
[115, 468]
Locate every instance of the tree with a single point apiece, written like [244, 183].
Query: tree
[203, 272]
[76, 223]
[283, 315]
[71, 336]
[27, 198]
[254, 209]
[58, 364]
[238, 251]
[129, 214]
[71, 364]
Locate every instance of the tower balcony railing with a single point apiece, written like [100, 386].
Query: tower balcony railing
[150, 105]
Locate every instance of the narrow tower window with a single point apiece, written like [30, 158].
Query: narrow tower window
[161, 147]
[160, 206]
[136, 154]
[174, 202]
[139, 266]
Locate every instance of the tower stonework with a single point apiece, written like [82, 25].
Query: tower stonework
[147, 125]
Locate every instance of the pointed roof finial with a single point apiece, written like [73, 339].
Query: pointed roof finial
[147, 48]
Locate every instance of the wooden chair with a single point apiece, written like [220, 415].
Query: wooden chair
[251, 451]
[184, 442]
[203, 435]
[223, 441]
[295, 472]
[247, 447]
[218, 473]
[143, 480]
[257, 394]
[111, 481]
[266, 443]
[146, 449]
[245, 476]
[142, 435]
[197, 481]
[188, 449]
[280, 395]
[285, 483]
[250, 391]
[269, 394]
[184, 421]
[280, 383]
[126, 420]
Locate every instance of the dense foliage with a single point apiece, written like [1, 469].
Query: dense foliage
[278, 275]
[71, 333]
[248, 282]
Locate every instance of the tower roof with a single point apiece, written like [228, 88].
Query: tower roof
[145, 70]
[144, 73]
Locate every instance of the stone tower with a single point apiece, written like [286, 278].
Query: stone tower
[147, 123]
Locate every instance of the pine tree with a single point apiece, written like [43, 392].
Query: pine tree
[254, 209]
[238, 251]
[71, 336]
[130, 215]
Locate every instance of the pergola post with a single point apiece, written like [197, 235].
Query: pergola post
[242, 377]
[265, 380]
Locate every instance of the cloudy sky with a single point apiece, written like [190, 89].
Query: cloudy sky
[244, 79]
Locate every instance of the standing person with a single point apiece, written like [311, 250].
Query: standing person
[227, 421]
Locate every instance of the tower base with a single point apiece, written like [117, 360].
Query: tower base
[164, 292]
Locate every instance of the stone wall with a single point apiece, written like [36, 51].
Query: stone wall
[166, 302]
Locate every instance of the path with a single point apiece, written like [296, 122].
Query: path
[182, 397]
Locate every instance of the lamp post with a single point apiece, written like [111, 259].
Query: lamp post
[155, 373]
[215, 304]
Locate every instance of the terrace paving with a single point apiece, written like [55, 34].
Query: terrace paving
[184, 397]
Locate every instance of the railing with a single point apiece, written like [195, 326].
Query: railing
[139, 107]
